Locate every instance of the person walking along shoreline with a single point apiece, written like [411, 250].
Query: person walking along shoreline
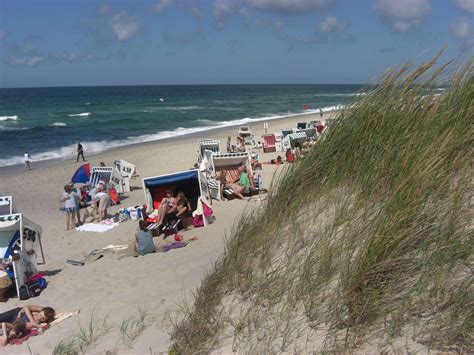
[80, 152]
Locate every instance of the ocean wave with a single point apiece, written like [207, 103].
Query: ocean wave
[58, 124]
[356, 94]
[7, 128]
[8, 118]
[100, 146]
[83, 114]
[209, 122]
[181, 108]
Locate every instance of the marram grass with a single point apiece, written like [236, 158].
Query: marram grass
[365, 241]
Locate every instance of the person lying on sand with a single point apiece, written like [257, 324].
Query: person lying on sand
[32, 315]
[10, 331]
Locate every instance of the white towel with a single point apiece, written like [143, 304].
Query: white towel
[93, 227]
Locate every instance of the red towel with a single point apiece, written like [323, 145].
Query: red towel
[28, 334]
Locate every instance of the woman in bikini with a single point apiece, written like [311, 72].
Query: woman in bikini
[167, 206]
[32, 315]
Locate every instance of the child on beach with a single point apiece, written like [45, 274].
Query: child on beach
[77, 199]
[10, 331]
[144, 239]
[69, 199]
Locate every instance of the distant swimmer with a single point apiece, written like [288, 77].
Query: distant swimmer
[80, 152]
[27, 159]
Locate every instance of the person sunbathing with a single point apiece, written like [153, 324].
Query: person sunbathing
[12, 331]
[243, 184]
[183, 207]
[167, 206]
[32, 315]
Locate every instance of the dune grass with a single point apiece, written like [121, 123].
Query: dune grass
[367, 240]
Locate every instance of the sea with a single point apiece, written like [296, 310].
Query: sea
[47, 122]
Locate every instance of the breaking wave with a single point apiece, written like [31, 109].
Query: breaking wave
[58, 124]
[8, 118]
[83, 114]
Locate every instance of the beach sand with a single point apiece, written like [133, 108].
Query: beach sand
[112, 287]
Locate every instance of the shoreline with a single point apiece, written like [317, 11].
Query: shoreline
[49, 163]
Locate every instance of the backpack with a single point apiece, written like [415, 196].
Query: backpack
[29, 291]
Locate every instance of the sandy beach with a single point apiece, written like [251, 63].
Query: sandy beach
[115, 288]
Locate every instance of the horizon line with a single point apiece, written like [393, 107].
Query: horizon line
[118, 85]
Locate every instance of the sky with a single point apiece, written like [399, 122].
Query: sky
[161, 42]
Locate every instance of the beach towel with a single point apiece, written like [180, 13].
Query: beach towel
[60, 317]
[25, 337]
[98, 228]
[174, 245]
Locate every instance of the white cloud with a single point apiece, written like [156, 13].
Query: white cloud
[193, 9]
[162, 5]
[32, 61]
[462, 29]
[402, 14]
[331, 25]
[222, 9]
[290, 7]
[124, 26]
[466, 5]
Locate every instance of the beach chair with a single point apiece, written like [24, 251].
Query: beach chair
[229, 163]
[278, 142]
[208, 144]
[125, 168]
[6, 205]
[286, 132]
[245, 131]
[299, 137]
[269, 141]
[301, 125]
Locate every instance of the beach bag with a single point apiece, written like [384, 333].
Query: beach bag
[114, 195]
[207, 210]
[198, 221]
[29, 291]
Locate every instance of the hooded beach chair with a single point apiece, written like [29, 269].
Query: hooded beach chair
[269, 143]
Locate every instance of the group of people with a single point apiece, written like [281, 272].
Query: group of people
[171, 208]
[236, 148]
[16, 322]
[93, 200]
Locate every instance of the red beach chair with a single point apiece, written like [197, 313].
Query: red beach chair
[269, 143]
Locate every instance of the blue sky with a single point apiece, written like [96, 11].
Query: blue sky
[88, 42]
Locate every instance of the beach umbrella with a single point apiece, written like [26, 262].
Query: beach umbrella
[82, 174]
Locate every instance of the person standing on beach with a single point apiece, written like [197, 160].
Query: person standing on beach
[321, 112]
[80, 152]
[27, 159]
